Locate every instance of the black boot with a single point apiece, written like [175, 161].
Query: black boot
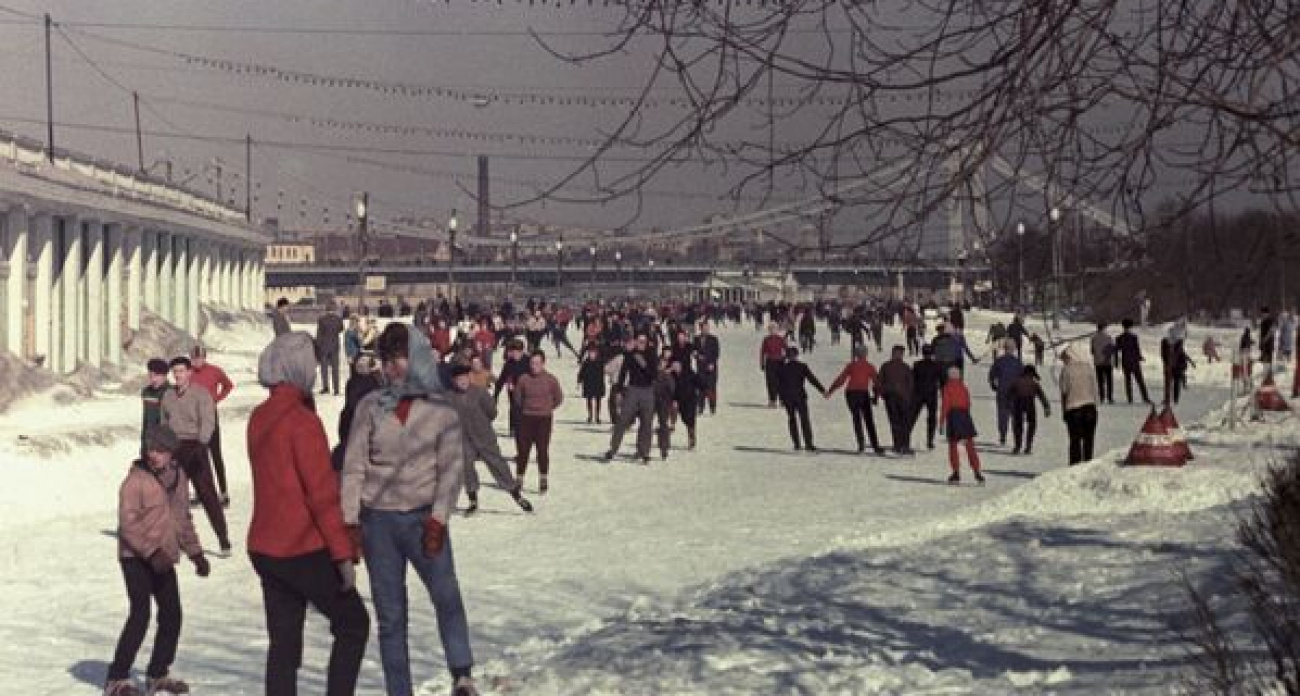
[955, 478]
[523, 503]
[473, 504]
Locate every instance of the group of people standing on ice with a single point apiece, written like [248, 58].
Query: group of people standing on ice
[417, 415]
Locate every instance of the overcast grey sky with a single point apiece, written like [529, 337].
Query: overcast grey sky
[171, 87]
[480, 48]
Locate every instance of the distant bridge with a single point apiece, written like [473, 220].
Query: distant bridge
[342, 278]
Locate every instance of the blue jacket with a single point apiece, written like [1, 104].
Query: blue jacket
[1003, 374]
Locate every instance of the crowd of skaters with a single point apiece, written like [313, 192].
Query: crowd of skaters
[420, 401]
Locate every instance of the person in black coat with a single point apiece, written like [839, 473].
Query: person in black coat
[927, 380]
[686, 392]
[791, 375]
[707, 352]
[364, 379]
[591, 378]
[514, 367]
[1130, 361]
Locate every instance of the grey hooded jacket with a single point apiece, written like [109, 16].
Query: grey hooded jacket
[396, 466]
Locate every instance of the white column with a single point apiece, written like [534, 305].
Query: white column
[180, 282]
[159, 274]
[193, 283]
[223, 275]
[237, 285]
[148, 270]
[73, 286]
[116, 308]
[133, 243]
[43, 293]
[259, 282]
[16, 228]
[206, 283]
[97, 314]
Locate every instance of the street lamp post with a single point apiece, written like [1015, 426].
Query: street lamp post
[559, 263]
[362, 206]
[451, 254]
[651, 275]
[514, 258]
[592, 250]
[1054, 215]
[618, 264]
[1020, 266]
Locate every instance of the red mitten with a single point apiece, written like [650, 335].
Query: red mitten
[435, 534]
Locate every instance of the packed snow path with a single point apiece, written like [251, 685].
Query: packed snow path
[610, 542]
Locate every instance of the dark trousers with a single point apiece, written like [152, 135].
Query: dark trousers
[533, 430]
[796, 417]
[515, 412]
[329, 372]
[142, 586]
[1105, 383]
[288, 586]
[859, 403]
[193, 459]
[913, 342]
[899, 411]
[708, 392]
[218, 461]
[1004, 409]
[1174, 387]
[1134, 373]
[1024, 423]
[614, 402]
[769, 374]
[1081, 424]
[638, 404]
[930, 403]
[663, 427]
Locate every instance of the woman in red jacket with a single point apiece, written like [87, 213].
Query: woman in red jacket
[860, 394]
[954, 417]
[297, 541]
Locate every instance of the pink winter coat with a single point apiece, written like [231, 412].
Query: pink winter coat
[153, 514]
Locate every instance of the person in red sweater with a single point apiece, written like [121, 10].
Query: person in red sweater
[954, 418]
[297, 541]
[770, 355]
[218, 384]
[859, 380]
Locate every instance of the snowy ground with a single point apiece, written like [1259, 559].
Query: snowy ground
[738, 568]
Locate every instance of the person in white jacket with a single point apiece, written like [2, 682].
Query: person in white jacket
[1078, 404]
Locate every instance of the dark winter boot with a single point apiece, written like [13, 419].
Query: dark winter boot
[690, 439]
[166, 685]
[542, 487]
[522, 501]
[120, 687]
[464, 687]
[473, 503]
[955, 478]
[979, 478]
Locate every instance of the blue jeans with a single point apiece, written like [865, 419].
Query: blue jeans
[391, 540]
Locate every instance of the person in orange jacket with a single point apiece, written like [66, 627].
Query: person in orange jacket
[860, 394]
[955, 420]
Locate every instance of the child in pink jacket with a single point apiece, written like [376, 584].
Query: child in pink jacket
[154, 529]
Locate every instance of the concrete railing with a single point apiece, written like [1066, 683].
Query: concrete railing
[31, 156]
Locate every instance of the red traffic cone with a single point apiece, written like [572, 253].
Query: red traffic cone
[1154, 447]
[1170, 421]
[1268, 398]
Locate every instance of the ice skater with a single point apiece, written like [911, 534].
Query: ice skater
[956, 423]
